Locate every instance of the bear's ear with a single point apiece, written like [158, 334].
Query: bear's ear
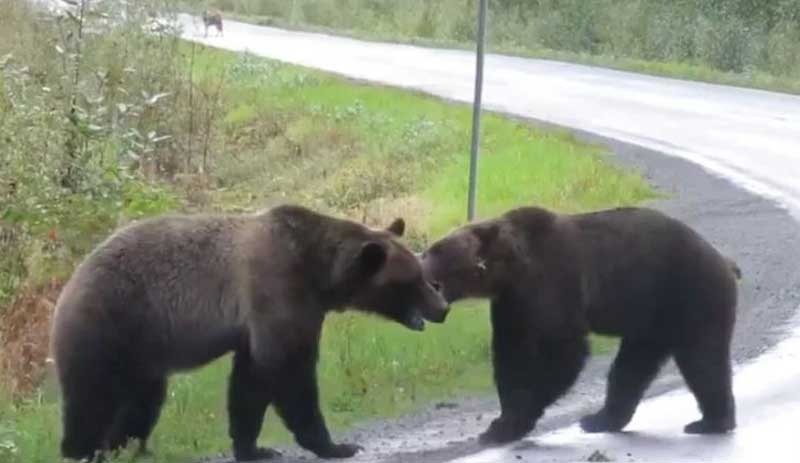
[397, 228]
[486, 233]
[371, 258]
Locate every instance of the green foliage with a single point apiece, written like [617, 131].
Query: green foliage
[521, 165]
[8, 445]
[754, 39]
[245, 133]
[89, 109]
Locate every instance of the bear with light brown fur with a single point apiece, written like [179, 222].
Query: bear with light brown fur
[176, 292]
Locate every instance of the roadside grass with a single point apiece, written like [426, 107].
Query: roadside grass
[521, 165]
[686, 70]
[283, 133]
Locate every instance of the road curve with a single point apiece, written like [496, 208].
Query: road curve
[742, 137]
[749, 136]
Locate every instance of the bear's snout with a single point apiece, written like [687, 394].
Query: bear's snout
[436, 307]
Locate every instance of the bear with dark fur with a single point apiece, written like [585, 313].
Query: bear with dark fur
[177, 292]
[634, 273]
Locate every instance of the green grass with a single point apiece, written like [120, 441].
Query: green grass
[697, 71]
[525, 166]
[674, 69]
[368, 368]
[290, 134]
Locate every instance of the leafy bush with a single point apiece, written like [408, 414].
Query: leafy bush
[88, 102]
[726, 35]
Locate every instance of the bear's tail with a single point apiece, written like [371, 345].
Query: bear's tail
[735, 268]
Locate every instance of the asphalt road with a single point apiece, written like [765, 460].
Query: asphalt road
[729, 158]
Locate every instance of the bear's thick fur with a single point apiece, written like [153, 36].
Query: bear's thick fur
[629, 272]
[176, 292]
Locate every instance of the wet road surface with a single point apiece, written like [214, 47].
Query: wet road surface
[743, 146]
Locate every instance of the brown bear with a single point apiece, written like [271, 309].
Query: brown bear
[634, 273]
[176, 292]
[212, 18]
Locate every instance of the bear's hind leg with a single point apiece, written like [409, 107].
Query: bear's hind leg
[141, 412]
[706, 368]
[529, 380]
[248, 398]
[88, 411]
[634, 368]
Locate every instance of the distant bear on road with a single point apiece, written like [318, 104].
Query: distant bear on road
[212, 18]
[176, 292]
[629, 272]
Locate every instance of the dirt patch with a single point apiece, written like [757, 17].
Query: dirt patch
[25, 338]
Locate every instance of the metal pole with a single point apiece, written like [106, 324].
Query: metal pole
[476, 111]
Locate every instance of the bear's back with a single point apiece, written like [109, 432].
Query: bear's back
[162, 285]
[622, 239]
[167, 258]
[642, 267]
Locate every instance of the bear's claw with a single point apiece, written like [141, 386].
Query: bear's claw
[709, 427]
[502, 431]
[601, 422]
[340, 451]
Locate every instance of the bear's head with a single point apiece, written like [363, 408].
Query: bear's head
[389, 281]
[459, 264]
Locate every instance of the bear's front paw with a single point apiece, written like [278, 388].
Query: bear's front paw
[710, 427]
[339, 451]
[601, 422]
[256, 453]
[502, 431]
